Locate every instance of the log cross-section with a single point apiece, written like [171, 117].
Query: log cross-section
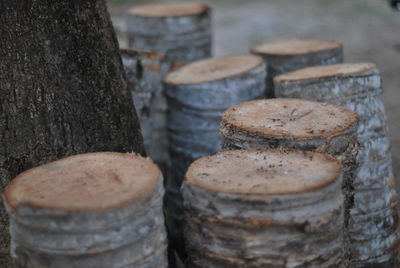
[266, 208]
[98, 210]
[287, 55]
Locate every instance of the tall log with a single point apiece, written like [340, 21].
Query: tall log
[296, 125]
[373, 226]
[248, 208]
[91, 210]
[145, 71]
[197, 95]
[181, 31]
[287, 55]
[62, 88]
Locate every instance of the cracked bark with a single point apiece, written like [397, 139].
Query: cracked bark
[62, 88]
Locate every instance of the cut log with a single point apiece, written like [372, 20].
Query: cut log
[249, 208]
[90, 210]
[296, 125]
[181, 31]
[145, 71]
[287, 55]
[358, 87]
[197, 94]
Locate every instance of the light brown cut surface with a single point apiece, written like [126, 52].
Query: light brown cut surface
[326, 71]
[213, 69]
[290, 47]
[141, 52]
[168, 9]
[263, 172]
[82, 183]
[288, 118]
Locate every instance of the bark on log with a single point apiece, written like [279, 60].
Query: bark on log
[62, 88]
[299, 125]
[197, 95]
[145, 71]
[181, 31]
[264, 209]
[98, 210]
[373, 227]
[284, 56]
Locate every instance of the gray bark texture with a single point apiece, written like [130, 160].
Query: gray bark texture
[302, 229]
[145, 71]
[343, 145]
[194, 116]
[181, 39]
[280, 64]
[62, 88]
[373, 224]
[133, 235]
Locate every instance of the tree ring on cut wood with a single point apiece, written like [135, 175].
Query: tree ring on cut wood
[263, 172]
[287, 119]
[168, 9]
[214, 69]
[84, 183]
[292, 47]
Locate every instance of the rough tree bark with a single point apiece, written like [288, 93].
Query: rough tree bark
[238, 214]
[62, 88]
[197, 95]
[284, 56]
[374, 222]
[181, 31]
[296, 125]
[145, 71]
[89, 210]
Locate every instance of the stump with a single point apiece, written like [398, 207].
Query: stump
[299, 125]
[197, 95]
[248, 208]
[284, 56]
[181, 31]
[145, 71]
[91, 210]
[373, 226]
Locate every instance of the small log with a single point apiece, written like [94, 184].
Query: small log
[264, 209]
[197, 95]
[358, 87]
[90, 210]
[181, 31]
[287, 55]
[145, 71]
[296, 124]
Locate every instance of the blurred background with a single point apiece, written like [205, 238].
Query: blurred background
[369, 30]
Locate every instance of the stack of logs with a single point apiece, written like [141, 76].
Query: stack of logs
[198, 93]
[305, 170]
[264, 209]
[145, 71]
[182, 32]
[98, 210]
[373, 224]
[287, 55]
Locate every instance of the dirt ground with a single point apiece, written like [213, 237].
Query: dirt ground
[369, 30]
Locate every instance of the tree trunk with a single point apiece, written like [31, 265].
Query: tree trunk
[296, 125]
[239, 215]
[145, 71]
[197, 95]
[284, 56]
[89, 210]
[373, 226]
[62, 87]
[180, 31]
